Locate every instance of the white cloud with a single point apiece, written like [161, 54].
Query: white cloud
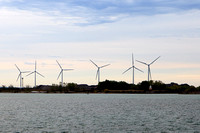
[10, 0]
[22, 18]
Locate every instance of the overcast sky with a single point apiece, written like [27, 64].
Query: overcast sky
[105, 31]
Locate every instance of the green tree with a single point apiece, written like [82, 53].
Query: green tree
[72, 87]
[158, 85]
[113, 85]
[144, 85]
[198, 88]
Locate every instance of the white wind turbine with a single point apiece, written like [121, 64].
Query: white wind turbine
[35, 72]
[61, 72]
[98, 70]
[149, 70]
[20, 78]
[132, 67]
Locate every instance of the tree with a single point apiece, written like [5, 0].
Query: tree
[158, 85]
[113, 85]
[72, 87]
[144, 85]
[198, 88]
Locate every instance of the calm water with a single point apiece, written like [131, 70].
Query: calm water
[104, 113]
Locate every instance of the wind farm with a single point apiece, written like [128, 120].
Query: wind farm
[107, 32]
[111, 86]
[96, 66]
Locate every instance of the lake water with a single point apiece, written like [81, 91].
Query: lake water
[99, 113]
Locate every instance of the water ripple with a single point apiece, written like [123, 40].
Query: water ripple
[104, 113]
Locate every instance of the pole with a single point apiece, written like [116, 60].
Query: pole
[148, 72]
[133, 67]
[98, 75]
[35, 78]
[62, 79]
[22, 82]
[133, 75]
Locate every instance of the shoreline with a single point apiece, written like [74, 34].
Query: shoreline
[96, 93]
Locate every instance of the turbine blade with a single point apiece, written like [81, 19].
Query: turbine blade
[154, 60]
[94, 63]
[25, 72]
[59, 64]
[105, 66]
[18, 77]
[142, 62]
[59, 74]
[138, 69]
[30, 73]
[40, 74]
[17, 68]
[67, 69]
[127, 70]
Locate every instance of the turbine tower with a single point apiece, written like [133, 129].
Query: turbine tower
[20, 78]
[98, 70]
[61, 72]
[35, 72]
[149, 70]
[132, 67]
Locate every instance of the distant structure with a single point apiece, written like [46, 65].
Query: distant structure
[20, 78]
[98, 70]
[61, 72]
[149, 70]
[132, 67]
[35, 72]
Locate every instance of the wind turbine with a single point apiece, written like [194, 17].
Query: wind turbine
[20, 78]
[61, 72]
[35, 72]
[132, 67]
[149, 70]
[98, 70]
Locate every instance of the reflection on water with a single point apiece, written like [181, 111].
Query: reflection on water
[99, 113]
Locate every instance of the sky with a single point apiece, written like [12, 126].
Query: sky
[105, 31]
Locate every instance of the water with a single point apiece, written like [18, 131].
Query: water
[99, 113]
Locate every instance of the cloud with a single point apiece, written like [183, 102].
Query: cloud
[84, 12]
[27, 28]
[10, 1]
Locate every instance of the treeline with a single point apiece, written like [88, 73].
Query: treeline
[108, 87]
[146, 87]
[69, 88]
[54, 88]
